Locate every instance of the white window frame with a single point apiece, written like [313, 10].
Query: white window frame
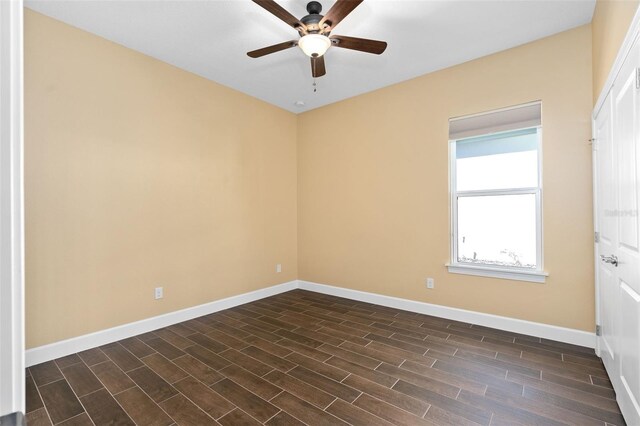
[506, 272]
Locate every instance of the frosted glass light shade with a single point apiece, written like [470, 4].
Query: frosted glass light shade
[314, 45]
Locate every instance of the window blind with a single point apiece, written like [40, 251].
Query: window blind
[519, 117]
[501, 143]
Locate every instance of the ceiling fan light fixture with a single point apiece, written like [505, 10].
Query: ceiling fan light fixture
[314, 45]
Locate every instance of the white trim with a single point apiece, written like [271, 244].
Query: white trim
[12, 380]
[632, 34]
[70, 346]
[552, 332]
[493, 111]
[493, 272]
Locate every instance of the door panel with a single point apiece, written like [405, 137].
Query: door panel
[625, 132]
[606, 182]
[605, 194]
[629, 361]
[608, 297]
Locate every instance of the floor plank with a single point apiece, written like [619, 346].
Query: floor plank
[121, 357]
[141, 408]
[38, 417]
[326, 384]
[32, 396]
[354, 415]
[113, 378]
[449, 404]
[153, 385]
[283, 419]
[304, 411]
[104, 410]
[301, 389]
[45, 373]
[164, 368]
[201, 371]
[81, 379]
[250, 381]
[388, 412]
[239, 418]
[245, 400]
[208, 400]
[185, 412]
[60, 401]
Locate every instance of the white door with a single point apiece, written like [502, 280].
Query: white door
[617, 131]
[626, 134]
[606, 202]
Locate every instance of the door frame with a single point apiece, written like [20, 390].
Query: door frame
[632, 34]
[596, 230]
[625, 48]
[12, 373]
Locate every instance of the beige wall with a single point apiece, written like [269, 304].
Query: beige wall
[372, 184]
[611, 20]
[140, 175]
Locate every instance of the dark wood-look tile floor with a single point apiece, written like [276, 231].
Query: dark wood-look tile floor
[307, 358]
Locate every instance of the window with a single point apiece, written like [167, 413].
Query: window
[496, 194]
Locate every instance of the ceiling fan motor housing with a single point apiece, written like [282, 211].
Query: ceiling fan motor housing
[312, 20]
[314, 7]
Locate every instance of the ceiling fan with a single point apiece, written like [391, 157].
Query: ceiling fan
[315, 30]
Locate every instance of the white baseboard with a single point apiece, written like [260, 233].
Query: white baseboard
[552, 332]
[70, 346]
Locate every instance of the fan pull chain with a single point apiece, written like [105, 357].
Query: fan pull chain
[315, 86]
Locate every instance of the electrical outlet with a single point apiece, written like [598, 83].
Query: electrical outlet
[279, 267]
[430, 283]
[158, 293]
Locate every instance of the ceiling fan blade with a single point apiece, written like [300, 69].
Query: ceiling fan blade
[272, 49]
[281, 13]
[361, 44]
[338, 12]
[317, 67]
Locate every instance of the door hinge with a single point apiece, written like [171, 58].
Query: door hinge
[598, 331]
[596, 237]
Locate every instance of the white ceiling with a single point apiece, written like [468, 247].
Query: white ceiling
[211, 37]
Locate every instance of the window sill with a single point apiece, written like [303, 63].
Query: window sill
[504, 273]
